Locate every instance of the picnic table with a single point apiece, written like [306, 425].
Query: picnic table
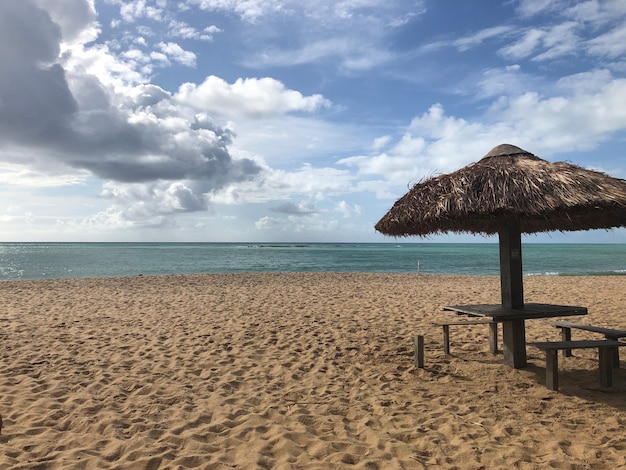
[513, 323]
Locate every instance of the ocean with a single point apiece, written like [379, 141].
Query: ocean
[82, 260]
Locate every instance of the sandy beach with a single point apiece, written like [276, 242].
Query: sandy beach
[290, 371]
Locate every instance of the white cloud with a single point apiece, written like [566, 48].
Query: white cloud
[584, 83]
[525, 46]
[253, 10]
[528, 8]
[560, 41]
[592, 107]
[348, 210]
[23, 175]
[135, 55]
[597, 13]
[351, 53]
[268, 223]
[178, 54]
[280, 185]
[564, 33]
[478, 38]
[158, 59]
[163, 198]
[509, 80]
[307, 228]
[611, 44]
[303, 208]
[115, 218]
[250, 97]
[249, 10]
[131, 10]
[381, 142]
[352, 34]
[183, 30]
[76, 18]
[545, 43]
[471, 41]
[568, 123]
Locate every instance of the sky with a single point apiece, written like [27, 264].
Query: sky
[289, 120]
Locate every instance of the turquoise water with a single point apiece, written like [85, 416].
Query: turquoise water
[79, 260]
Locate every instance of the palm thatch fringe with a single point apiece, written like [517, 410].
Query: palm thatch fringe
[509, 186]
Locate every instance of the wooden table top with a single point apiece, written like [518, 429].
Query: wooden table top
[530, 311]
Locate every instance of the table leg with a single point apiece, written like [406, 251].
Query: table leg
[493, 337]
[514, 343]
[552, 369]
[419, 351]
[446, 339]
[615, 351]
[606, 366]
[566, 335]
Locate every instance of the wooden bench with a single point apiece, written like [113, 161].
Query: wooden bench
[493, 332]
[605, 352]
[609, 333]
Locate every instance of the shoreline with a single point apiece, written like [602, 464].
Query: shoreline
[295, 370]
[331, 273]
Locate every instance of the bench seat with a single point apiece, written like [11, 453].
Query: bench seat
[605, 352]
[493, 332]
[609, 333]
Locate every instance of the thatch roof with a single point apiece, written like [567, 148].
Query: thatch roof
[509, 185]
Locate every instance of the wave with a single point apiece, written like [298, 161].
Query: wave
[616, 272]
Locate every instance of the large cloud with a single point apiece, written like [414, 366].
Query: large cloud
[35, 101]
[586, 109]
[74, 17]
[70, 110]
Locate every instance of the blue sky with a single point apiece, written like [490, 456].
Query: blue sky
[285, 120]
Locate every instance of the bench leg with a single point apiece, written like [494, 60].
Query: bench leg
[566, 335]
[615, 352]
[552, 369]
[606, 366]
[493, 337]
[419, 351]
[446, 339]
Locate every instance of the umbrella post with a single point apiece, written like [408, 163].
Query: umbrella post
[512, 289]
[511, 283]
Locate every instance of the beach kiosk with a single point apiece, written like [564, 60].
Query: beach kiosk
[509, 192]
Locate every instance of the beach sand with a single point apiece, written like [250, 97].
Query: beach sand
[288, 371]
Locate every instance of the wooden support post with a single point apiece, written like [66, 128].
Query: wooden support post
[511, 284]
[493, 337]
[615, 351]
[512, 290]
[566, 335]
[419, 351]
[514, 343]
[446, 339]
[552, 369]
[606, 366]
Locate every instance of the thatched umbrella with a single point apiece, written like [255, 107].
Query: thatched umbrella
[509, 185]
[509, 192]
